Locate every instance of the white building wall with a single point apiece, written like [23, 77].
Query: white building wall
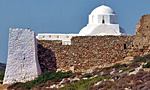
[107, 19]
[112, 29]
[99, 19]
[90, 19]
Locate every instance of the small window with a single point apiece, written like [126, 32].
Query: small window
[57, 36]
[49, 36]
[103, 21]
[125, 46]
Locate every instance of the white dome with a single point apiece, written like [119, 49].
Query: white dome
[102, 10]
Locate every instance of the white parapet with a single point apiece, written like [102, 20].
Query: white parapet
[65, 38]
[22, 63]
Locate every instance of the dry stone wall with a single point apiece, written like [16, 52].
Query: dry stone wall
[142, 39]
[86, 52]
[95, 51]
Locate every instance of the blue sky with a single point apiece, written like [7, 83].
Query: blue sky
[62, 16]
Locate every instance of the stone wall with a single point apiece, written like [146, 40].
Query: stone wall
[142, 38]
[141, 42]
[86, 52]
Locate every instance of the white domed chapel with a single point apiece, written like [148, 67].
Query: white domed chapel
[102, 21]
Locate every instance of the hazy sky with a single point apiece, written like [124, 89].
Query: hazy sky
[62, 16]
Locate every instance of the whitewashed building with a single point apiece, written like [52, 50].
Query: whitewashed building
[102, 21]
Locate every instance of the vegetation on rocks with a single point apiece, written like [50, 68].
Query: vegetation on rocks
[2, 74]
[144, 58]
[120, 76]
[53, 76]
[147, 65]
[84, 84]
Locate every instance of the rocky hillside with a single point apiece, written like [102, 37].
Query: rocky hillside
[129, 75]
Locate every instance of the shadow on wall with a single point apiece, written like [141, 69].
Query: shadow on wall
[46, 59]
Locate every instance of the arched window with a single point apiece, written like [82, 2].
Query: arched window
[103, 21]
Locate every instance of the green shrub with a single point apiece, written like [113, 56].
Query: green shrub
[2, 75]
[87, 75]
[53, 76]
[119, 66]
[147, 65]
[83, 84]
[144, 58]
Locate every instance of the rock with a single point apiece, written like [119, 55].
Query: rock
[101, 73]
[53, 86]
[127, 89]
[112, 72]
[105, 79]
[85, 78]
[136, 70]
[98, 83]
[76, 79]
[47, 87]
[120, 71]
[64, 81]
[94, 76]
[58, 70]
[128, 58]
[72, 69]
[57, 86]
[111, 80]
[90, 70]
[61, 86]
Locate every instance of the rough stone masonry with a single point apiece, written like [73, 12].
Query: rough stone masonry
[84, 53]
[89, 52]
[22, 63]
